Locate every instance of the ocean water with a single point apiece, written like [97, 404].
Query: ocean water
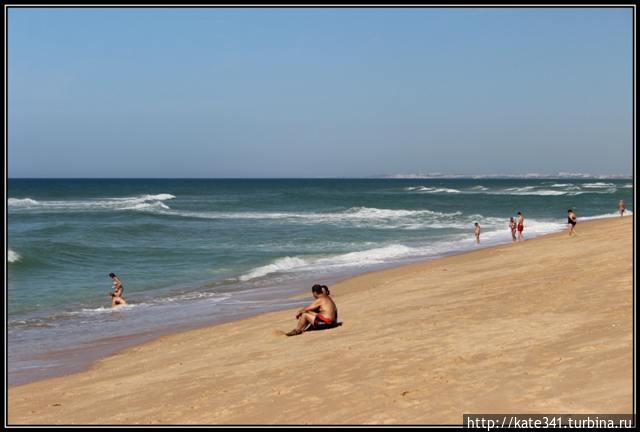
[191, 252]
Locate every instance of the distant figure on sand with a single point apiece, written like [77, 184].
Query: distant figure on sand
[572, 220]
[621, 208]
[512, 227]
[116, 295]
[476, 231]
[320, 314]
[520, 225]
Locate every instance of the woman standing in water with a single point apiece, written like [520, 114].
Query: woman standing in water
[572, 220]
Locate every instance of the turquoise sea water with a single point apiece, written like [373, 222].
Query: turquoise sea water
[196, 251]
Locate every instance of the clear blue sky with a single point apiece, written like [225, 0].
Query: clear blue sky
[318, 92]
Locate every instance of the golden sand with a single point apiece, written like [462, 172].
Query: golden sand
[540, 326]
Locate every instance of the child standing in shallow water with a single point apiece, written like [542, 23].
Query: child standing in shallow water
[477, 232]
[512, 227]
[621, 208]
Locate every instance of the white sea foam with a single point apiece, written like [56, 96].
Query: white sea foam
[280, 265]
[598, 185]
[144, 198]
[147, 206]
[353, 215]
[199, 296]
[351, 259]
[480, 188]
[103, 310]
[530, 190]
[495, 230]
[22, 202]
[143, 202]
[606, 216]
[628, 186]
[520, 189]
[368, 257]
[542, 192]
[13, 257]
[437, 190]
[358, 217]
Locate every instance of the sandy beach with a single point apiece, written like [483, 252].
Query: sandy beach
[540, 326]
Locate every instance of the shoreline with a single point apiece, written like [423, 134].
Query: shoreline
[87, 354]
[83, 355]
[348, 288]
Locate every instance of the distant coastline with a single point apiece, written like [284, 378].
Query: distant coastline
[560, 175]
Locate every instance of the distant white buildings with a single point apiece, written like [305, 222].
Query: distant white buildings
[567, 175]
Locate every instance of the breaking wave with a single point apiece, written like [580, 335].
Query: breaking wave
[13, 257]
[142, 202]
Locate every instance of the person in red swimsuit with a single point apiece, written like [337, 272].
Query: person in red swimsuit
[320, 314]
[520, 225]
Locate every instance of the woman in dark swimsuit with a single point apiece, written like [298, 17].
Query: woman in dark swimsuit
[572, 220]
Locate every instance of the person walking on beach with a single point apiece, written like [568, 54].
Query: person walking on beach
[512, 227]
[116, 295]
[476, 231]
[321, 314]
[572, 220]
[621, 208]
[520, 225]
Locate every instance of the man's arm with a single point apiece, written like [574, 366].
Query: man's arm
[312, 306]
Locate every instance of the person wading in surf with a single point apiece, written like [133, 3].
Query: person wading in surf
[520, 226]
[572, 220]
[118, 289]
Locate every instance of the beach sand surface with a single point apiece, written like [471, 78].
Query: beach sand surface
[540, 326]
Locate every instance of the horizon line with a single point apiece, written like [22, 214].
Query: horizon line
[379, 177]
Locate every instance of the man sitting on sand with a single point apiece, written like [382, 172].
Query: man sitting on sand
[116, 295]
[320, 314]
